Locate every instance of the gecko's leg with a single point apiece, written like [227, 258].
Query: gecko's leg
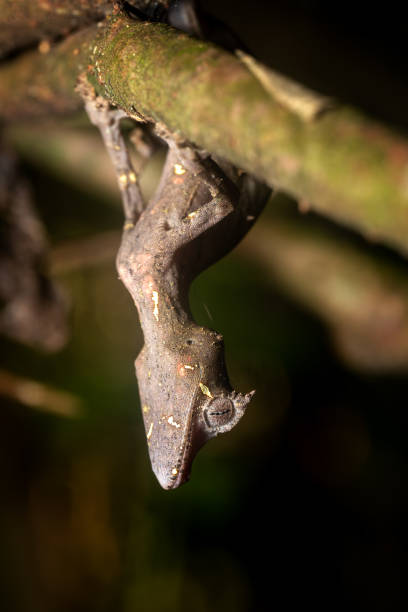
[201, 165]
[213, 194]
[246, 195]
[200, 220]
[108, 122]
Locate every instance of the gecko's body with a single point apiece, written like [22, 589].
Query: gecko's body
[199, 212]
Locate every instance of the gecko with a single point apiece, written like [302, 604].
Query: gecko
[201, 209]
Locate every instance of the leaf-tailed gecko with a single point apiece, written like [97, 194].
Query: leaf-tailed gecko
[201, 209]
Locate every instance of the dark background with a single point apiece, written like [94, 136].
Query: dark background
[303, 504]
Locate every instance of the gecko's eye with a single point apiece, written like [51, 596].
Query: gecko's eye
[219, 412]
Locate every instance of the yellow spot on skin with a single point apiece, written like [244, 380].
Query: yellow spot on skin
[179, 169]
[128, 225]
[205, 390]
[123, 180]
[132, 177]
[44, 47]
[149, 433]
[192, 214]
[155, 298]
[146, 409]
[174, 471]
[172, 422]
[181, 369]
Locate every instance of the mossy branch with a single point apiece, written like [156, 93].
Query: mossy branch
[341, 164]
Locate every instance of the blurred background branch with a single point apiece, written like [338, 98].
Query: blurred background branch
[26, 22]
[360, 294]
[39, 396]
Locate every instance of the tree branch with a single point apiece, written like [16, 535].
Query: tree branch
[38, 396]
[26, 22]
[341, 164]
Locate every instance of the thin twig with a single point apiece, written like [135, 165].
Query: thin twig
[39, 396]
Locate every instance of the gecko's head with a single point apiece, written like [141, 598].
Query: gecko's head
[178, 441]
[188, 406]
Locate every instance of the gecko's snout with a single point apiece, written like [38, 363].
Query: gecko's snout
[171, 479]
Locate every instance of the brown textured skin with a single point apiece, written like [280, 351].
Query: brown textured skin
[196, 216]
